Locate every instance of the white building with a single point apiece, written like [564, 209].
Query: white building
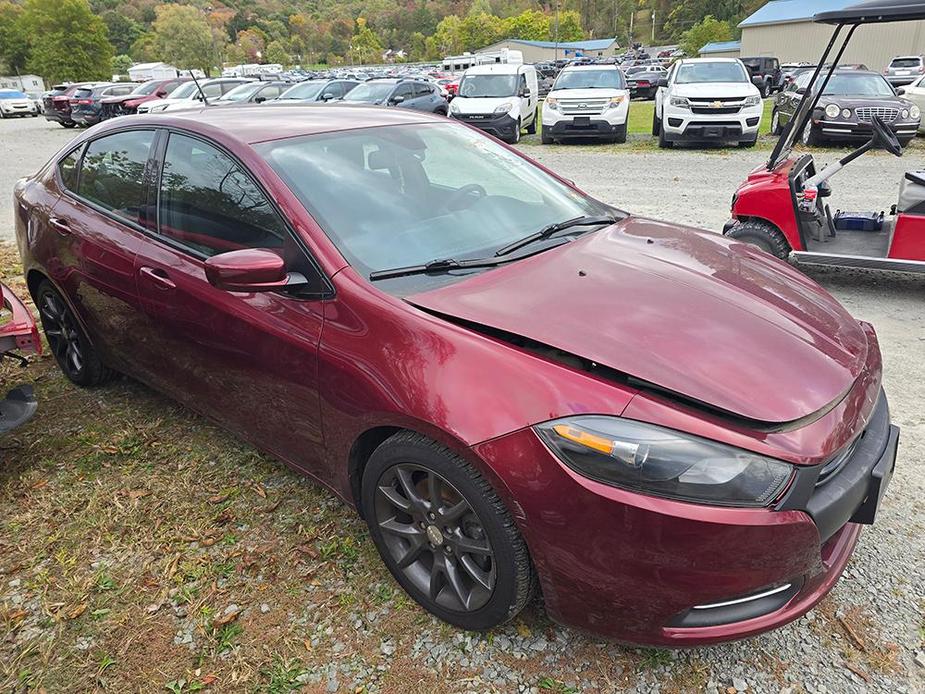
[31, 84]
[253, 70]
[458, 63]
[142, 72]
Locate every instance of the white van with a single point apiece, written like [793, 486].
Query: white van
[587, 101]
[499, 99]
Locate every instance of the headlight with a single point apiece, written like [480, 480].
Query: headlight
[615, 101]
[846, 114]
[915, 112]
[832, 111]
[680, 102]
[502, 108]
[454, 107]
[662, 462]
[552, 103]
[754, 100]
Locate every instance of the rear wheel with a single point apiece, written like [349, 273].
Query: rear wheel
[444, 534]
[531, 129]
[762, 234]
[76, 357]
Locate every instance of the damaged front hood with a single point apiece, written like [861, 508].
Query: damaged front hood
[714, 321]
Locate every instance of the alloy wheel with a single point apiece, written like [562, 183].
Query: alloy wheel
[62, 333]
[435, 538]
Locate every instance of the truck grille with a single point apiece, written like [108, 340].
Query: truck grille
[582, 107]
[866, 113]
[711, 111]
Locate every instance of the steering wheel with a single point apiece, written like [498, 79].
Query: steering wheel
[472, 189]
[885, 138]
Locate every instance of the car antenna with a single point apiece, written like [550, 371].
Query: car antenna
[201, 93]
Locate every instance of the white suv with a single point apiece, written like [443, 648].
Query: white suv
[707, 100]
[587, 101]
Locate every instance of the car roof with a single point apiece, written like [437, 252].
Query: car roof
[709, 60]
[598, 66]
[496, 68]
[253, 123]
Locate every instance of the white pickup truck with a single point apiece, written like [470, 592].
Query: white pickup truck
[707, 100]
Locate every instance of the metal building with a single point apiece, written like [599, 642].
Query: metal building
[543, 51]
[721, 49]
[784, 29]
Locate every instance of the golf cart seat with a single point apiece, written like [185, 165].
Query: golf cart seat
[912, 193]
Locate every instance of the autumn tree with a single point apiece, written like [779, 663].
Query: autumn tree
[365, 47]
[66, 40]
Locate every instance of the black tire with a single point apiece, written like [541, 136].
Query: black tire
[619, 136]
[76, 356]
[747, 144]
[811, 136]
[531, 129]
[409, 461]
[664, 142]
[545, 138]
[68, 124]
[762, 234]
[764, 90]
[656, 125]
[776, 128]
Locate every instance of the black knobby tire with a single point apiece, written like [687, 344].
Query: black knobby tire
[620, 135]
[396, 502]
[76, 356]
[762, 234]
[531, 129]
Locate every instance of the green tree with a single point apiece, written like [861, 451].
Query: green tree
[447, 39]
[14, 37]
[365, 47]
[480, 30]
[569, 27]
[184, 38]
[121, 63]
[278, 53]
[67, 41]
[123, 31]
[707, 30]
[531, 25]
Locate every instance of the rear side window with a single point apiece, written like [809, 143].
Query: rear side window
[82, 93]
[67, 167]
[113, 173]
[421, 89]
[210, 205]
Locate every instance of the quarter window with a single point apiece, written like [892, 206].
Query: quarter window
[67, 167]
[113, 173]
[209, 204]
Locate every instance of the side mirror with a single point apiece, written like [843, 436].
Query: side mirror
[396, 100]
[758, 81]
[900, 91]
[800, 90]
[260, 99]
[160, 93]
[662, 82]
[525, 94]
[327, 96]
[249, 270]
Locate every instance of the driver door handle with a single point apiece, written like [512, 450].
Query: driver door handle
[61, 226]
[159, 278]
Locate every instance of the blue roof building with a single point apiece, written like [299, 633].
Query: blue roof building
[540, 51]
[722, 49]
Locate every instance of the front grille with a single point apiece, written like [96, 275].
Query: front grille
[866, 113]
[723, 99]
[725, 111]
[582, 107]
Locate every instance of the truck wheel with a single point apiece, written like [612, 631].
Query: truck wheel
[664, 142]
[531, 129]
[656, 125]
[762, 234]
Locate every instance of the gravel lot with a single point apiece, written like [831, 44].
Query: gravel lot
[869, 635]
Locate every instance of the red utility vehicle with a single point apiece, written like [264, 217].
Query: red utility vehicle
[781, 206]
[18, 333]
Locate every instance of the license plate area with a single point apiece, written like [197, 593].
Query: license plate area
[879, 480]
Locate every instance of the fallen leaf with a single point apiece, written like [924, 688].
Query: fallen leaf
[136, 494]
[272, 507]
[308, 645]
[308, 550]
[218, 499]
[524, 630]
[261, 492]
[77, 610]
[154, 607]
[209, 679]
[40, 484]
[16, 615]
[224, 619]
[208, 541]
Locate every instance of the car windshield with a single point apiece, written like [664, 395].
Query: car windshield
[184, 91]
[369, 92]
[240, 93]
[590, 79]
[487, 86]
[851, 84]
[403, 195]
[12, 95]
[146, 88]
[305, 90]
[693, 73]
[906, 63]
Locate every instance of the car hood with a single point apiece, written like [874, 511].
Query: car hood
[854, 102]
[715, 90]
[480, 105]
[711, 320]
[16, 102]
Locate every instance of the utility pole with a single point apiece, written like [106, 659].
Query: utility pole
[653, 27]
[632, 17]
[557, 30]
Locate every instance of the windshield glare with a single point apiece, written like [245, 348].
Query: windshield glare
[146, 88]
[240, 93]
[850, 84]
[306, 90]
[487, 86]
[406, 195]
[183, 91]
[590, 79]
[694, 73]
[370, 92]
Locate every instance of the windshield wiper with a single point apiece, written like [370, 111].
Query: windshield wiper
[551, 229]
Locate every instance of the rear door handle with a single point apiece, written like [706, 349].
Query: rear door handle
[61, 226]
[158, 278]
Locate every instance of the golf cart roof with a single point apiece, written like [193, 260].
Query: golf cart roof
[874, 11]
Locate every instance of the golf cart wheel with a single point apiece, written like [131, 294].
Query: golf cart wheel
[546, 138]
[811, 136]
[656, 125]
[76, 357]
[762, 234]
[444, 534]
[531, 129]
[776, 128]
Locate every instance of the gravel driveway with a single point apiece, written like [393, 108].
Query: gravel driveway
[868, 636]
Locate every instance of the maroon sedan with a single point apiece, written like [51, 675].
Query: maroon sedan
[672, 435]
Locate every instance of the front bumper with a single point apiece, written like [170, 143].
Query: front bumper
[86, 117]
[852, 131]
[683, 125]
[652, 571]
[20, 111]
[503, 126]
[901, 80]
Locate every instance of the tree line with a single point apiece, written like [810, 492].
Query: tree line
[94, 39]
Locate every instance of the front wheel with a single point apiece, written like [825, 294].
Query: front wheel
[515, 138]
[664, 142]
[762, 234]
[444, 534]
[68, 124]
[545, 137]
[619, 136]
[776, 128]
[811, 136]
[656, 125]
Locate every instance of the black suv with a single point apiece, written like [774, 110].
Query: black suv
[771, 79]
[404, 93]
